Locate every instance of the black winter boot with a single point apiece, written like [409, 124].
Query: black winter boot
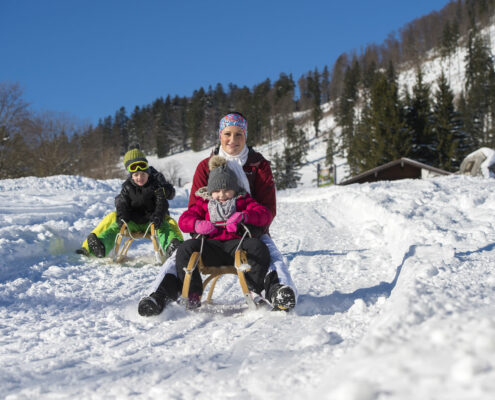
[96, 246]
[151, 305]
[167, 291]
[83, 251]
[282, 297]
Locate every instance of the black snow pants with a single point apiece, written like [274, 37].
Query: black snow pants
[216, 253]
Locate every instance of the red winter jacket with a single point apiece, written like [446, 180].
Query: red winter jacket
[256, 214]
[259, 175]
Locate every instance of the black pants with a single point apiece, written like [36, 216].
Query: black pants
[217, 253]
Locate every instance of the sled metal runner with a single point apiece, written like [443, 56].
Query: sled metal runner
[213, 273]
[121, 253]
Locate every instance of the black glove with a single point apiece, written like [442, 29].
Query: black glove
[120, 222]
[169, 191]
[157, 222]
[174, 244]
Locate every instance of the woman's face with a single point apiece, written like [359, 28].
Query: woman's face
[232, 140]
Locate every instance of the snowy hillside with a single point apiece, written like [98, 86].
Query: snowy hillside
[396, 283]
[453, 67]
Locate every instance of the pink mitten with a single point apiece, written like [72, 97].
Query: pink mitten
[204, 227]
[233, 220]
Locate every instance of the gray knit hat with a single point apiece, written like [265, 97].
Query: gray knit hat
[221, 176]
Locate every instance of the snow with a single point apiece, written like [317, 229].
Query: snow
[396, 283]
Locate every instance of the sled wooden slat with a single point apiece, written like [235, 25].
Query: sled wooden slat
[215, 272]
[121, 254]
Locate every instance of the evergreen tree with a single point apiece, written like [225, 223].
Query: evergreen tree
[161, 113]
[315, 94]
[325, 85]
[304, 101]
[297, 144]
[134, 128]
[107, 132]
[447, 126]
[220, 101]
[240, 99]
[282, 103]
[260, 129]
[291, 176]
[381, 133]
[285, 172]
[478, 109]
[448, 42]
[194, 119]
[120, 132]
[397, 134]
[210, 120]
[419, 120]
[278, 167]
[330, 151]
[347, 103]
[180, 128]
[220, 106]
[338, 73]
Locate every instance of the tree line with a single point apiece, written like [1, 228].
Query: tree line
[50, 143]
[427, 123]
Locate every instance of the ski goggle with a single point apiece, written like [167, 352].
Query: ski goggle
[138, 165]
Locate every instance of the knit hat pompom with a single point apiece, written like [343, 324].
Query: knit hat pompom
[132, 156]
[221, 176]
[215, 162]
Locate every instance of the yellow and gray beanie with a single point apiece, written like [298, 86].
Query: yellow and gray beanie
[136, 158]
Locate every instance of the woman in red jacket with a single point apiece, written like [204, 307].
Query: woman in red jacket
[255, 177]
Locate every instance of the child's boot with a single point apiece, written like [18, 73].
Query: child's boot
[96, 245]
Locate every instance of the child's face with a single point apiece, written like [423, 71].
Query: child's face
[232, 140]
[223, 195]
[140, 178]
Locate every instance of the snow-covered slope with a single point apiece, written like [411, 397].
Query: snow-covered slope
[454, 67]
[396, 283]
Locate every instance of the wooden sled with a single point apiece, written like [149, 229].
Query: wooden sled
[121, 253]
[213, 273]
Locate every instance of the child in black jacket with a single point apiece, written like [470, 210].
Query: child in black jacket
[142, 200]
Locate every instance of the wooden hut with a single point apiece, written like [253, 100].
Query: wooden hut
[403, 168]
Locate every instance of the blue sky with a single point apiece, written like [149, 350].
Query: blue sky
[89, 58]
